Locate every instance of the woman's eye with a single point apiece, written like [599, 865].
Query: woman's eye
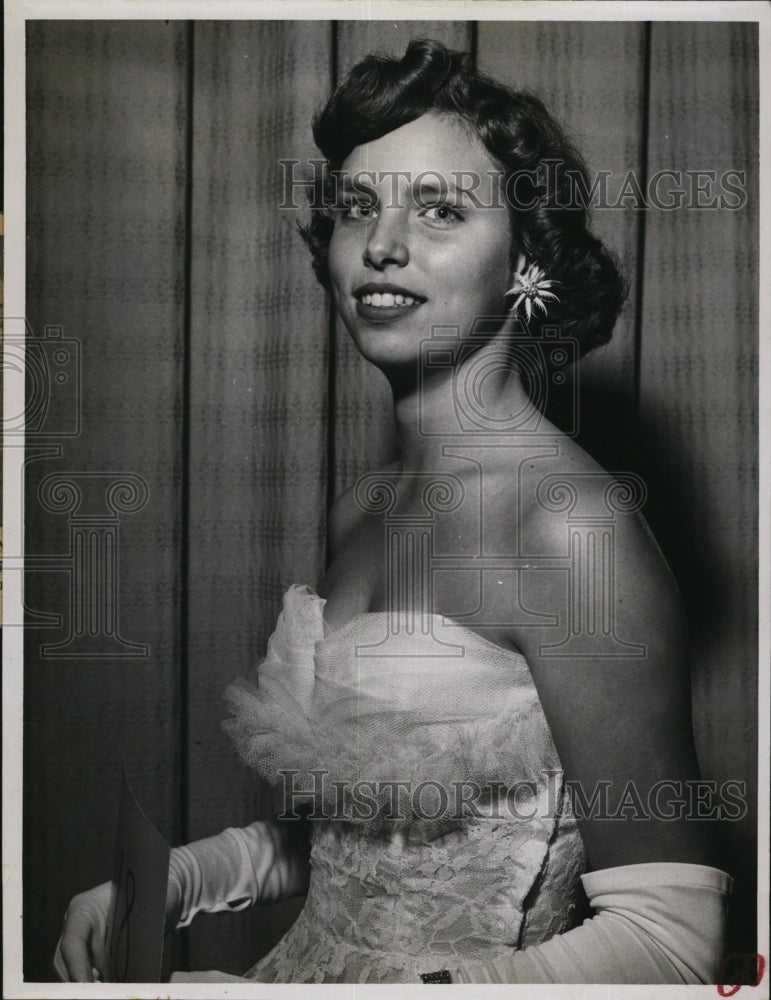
[443, 214]
[358, 210]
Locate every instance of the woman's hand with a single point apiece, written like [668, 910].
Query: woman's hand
[81, 955]
[263, 862]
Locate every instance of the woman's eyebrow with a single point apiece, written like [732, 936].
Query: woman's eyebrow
[439, 189]
[436, 188]
[427, 186]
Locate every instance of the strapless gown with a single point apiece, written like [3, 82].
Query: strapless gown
[388, 725]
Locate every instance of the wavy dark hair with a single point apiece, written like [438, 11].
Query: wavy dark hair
[382, 93]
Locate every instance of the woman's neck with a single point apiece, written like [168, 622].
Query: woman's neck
[441, 405]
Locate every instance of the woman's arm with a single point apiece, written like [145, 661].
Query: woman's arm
[261, 863]
[652, 923]
[624, 723]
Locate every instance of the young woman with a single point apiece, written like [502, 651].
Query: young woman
[487, 711]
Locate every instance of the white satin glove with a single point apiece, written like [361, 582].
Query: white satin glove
[654, 923]
[263, 862]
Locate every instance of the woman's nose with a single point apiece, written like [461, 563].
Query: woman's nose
[386, 240]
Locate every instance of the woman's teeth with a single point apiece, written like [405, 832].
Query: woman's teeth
[387, 299]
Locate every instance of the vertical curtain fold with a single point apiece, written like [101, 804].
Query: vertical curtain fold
[698, 390]
[258, 405]
[105, 237]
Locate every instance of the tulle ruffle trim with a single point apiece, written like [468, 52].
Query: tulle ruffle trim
[357, 735]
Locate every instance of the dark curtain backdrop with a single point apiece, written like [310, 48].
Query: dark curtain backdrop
[212, 371]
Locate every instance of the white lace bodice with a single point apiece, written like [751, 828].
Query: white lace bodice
[399, 891]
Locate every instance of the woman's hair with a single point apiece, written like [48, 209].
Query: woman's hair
[545, 176]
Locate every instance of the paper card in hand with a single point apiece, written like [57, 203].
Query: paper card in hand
[140, 876]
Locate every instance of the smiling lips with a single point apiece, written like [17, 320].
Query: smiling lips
[381, 302]
[387, 299]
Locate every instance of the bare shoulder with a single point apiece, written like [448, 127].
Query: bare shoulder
[594, 518]
[614, 579]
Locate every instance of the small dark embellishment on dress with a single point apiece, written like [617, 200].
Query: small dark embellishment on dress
[436, 977]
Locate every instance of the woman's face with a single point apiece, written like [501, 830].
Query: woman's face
[423, 238]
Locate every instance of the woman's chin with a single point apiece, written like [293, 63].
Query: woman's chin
[388, 347]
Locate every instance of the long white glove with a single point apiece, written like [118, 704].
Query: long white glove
[263, 862]
[654, 923]
[237, 868]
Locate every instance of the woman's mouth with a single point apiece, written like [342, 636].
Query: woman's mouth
[387, 299]
[383, 303]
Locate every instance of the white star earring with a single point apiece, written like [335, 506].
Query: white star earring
[531, 288]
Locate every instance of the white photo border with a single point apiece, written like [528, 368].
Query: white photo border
[17, 12]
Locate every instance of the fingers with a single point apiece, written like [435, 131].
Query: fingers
[81, 953]
[75, 946]
[59, 967]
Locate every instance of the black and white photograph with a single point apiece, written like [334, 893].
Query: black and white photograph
[385, 561]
